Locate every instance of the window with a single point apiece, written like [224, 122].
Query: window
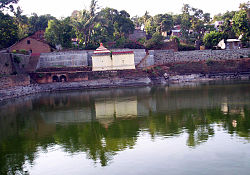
[28, 41]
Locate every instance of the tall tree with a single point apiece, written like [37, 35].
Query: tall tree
[7, 4]
[59, 32]
[39, 22]
[241, 25]
[8, 31]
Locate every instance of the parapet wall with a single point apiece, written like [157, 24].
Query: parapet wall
[63, 59]
[78, 58]
[169, 56]
[84, 58]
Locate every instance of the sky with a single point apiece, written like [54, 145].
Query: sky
[64, 8]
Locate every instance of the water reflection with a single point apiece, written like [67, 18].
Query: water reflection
[104, 122]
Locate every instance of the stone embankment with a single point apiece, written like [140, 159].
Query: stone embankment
[19, 91]
[60, 86]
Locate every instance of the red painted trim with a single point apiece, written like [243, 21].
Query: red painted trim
[125, 52]
[35, 54]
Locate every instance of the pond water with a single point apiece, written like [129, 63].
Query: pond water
[192, 129]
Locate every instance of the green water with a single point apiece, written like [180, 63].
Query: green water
[192, 129]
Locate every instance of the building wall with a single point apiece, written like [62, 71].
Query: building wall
[123, 61]
[35, 45]
[101, 62]
[64, 59]
[117, 62]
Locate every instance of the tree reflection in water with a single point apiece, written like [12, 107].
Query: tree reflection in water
[76, 123]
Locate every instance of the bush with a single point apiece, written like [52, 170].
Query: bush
[14, 51]
[17, 59]
[22, 51]
[172, 38]
[186, 47]
[213, 38]
[156, 42]
[133, 45]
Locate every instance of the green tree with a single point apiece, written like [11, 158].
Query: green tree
[59, 32]
[8, 31]
[155, 42]
[185, 21]
[212, 39]
[241, 26]
[36, 22]
[7, 4]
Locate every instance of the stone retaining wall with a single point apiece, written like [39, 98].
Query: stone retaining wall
[168, 56]
[5, 64]
[78, 58]
[14, 80]
[63, 59]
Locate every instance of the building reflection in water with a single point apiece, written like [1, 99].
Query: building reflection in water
[104, 122]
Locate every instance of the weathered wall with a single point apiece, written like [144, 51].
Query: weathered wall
[24, 60]
[5, 64]
[14, 80]
[168, 56]
[101, 62]
[65, 59]
[139, 53]
[123, 61]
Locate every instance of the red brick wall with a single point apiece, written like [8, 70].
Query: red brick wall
[14, 80]
[35, 46]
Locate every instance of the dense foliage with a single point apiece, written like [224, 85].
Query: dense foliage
[91, 26]
[8, 31]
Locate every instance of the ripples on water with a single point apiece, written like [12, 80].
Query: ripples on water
[201, 129]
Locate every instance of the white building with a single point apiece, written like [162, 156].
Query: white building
[103, 59]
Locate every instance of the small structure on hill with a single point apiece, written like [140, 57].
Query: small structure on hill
[230, 44]
[33, 44]
[103, 59]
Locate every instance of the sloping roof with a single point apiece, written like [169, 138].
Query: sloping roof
[42, 41]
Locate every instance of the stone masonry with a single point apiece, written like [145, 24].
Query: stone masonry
[169, 56]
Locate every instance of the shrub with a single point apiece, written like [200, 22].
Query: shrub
[176, 39]
[186, 47]
[156, 42]
[213, 38]
[23, 51]
[14, 51]
[133, 45]
[17, 59]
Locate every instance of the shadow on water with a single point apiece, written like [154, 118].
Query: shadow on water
[102, 123]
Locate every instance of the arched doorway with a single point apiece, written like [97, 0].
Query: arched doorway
[55, 78]
[63, 78]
